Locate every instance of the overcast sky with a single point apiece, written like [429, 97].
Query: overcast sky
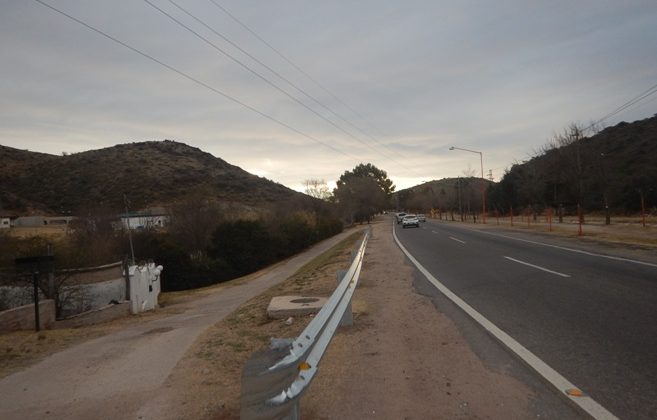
[399, 81]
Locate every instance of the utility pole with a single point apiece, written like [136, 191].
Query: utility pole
[127, 216]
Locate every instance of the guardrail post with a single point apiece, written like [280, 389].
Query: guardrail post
[347, 319]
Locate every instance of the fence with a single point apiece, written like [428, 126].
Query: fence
[274, 380]
[77, 290]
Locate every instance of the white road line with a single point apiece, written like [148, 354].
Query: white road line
[586, 403]
[538, 267]
[579, 251]
[433, 231]
[457, 240]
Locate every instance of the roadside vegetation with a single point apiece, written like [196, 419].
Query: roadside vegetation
[210, 373]
[204, 248]
[611, 173]
[226, 345]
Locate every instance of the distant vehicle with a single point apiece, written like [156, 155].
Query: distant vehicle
[400, 216]
[410, 220]
[421, 218]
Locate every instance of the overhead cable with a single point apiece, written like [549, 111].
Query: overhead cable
[263, 78]
[635, 100]
[303, 72]
[195, 80]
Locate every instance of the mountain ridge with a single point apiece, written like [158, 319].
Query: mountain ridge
[150, 173]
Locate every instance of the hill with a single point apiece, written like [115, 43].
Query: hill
[154, 173]
[614, 168]
[447, 194]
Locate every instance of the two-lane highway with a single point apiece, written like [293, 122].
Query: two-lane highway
[590, 316]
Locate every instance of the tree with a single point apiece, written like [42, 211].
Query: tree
[370, 171]
[469, 172]
[317, 188]
[243, 245]
[192, 222]
[363, 192]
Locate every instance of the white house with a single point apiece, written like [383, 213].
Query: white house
[155, 217]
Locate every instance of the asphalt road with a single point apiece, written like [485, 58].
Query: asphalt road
[589, 314]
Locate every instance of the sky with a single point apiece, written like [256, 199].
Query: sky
[392, 83]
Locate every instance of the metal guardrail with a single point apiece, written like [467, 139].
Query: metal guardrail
[274, 380]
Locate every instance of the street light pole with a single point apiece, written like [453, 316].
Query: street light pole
[483, 191]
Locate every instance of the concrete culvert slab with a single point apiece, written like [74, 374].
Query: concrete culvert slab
[304, 300]
[282, 307]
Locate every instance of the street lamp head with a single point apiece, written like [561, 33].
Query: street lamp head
[451, 148]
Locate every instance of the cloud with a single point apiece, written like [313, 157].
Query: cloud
[499, 78]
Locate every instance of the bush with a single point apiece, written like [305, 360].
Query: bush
[294, 235]
[243, 245]
[237, 248]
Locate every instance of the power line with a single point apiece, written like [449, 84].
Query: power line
[194, 80]
[308, 76]
[638, 98]
[266, 80]
[251, 56]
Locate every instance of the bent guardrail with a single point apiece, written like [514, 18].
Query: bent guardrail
[274, 380]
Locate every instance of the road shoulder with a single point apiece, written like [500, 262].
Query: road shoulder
[410, 355]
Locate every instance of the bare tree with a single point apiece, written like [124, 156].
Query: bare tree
[469, 172]
[317, 188]
[193, 221]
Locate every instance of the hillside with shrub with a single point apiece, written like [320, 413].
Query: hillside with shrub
[154, 173]
[613, 171]
[458, 197]
[224, 222]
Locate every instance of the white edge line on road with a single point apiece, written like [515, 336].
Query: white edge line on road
[579, 251]
[586, 403]
[457, 240]
[538, 267]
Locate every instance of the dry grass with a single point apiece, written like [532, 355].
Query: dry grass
[21, 349]
[622, 230]
[210, 372]
[216, 360]
[52, 232]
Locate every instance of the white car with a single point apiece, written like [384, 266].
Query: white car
[410, 220]
[400, 217]
[421, 217]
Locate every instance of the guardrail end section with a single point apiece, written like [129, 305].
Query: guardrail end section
[260, 384]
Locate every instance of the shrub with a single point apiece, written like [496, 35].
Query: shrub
[243, 245]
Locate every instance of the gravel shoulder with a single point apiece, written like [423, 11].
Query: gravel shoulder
[410, 355]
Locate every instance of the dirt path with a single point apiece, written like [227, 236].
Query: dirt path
[123, 374]
[405, 359]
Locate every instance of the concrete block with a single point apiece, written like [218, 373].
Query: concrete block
[281, 307]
